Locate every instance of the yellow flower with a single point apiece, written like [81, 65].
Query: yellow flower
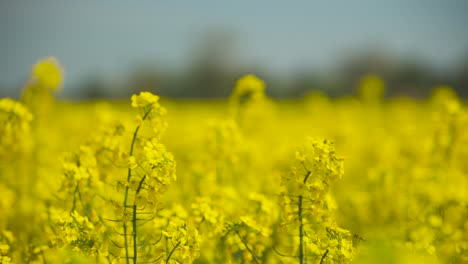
[132, 163]
[48, 73]
[17, 109]
[4, 249]
[250, 85]
[371, 88]
[144, 99]
[5, 260]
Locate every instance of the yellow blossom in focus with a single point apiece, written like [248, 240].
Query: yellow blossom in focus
[144, 99]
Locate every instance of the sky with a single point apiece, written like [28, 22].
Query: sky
[91, 37]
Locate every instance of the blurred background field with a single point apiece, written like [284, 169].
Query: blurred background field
[403, 195]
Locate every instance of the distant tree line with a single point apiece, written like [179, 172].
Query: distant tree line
[212, 74]
[208, 79]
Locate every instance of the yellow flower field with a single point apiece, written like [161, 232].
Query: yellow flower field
[248, 179]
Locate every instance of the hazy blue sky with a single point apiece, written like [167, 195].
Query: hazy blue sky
[108, 37]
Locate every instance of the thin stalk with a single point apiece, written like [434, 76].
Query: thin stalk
[43, 258]
[134, 221]
[129, 176]
[74, 199]
[248, 248]
[172, 252]
[301, 232]
[301, 224]
[307, 176]
[324, 256]
[134, 233]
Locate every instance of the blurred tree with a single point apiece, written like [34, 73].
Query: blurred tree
[94, 88]
[362, 62]
[461, 78]
[409, 76]
[145, 78]
[212, 71]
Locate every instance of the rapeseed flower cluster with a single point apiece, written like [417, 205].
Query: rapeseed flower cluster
[15, 120]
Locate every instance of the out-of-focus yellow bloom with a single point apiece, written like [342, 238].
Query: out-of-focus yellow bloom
[251, 223]
[445, 100]
[132, 164]
[15, 122]
[251, 86]
[48, 73]
[4, 249]
[5, 259]
[16, 111]
[371, 88]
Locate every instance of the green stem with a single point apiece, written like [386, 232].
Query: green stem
[134, 233]
[247, 247]
[129, 176]
[74, 199]
[324, 256]
[172, 252]
[43, 258]
[301, 232]
[301, 224]
[134, 221]
[307, 176]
